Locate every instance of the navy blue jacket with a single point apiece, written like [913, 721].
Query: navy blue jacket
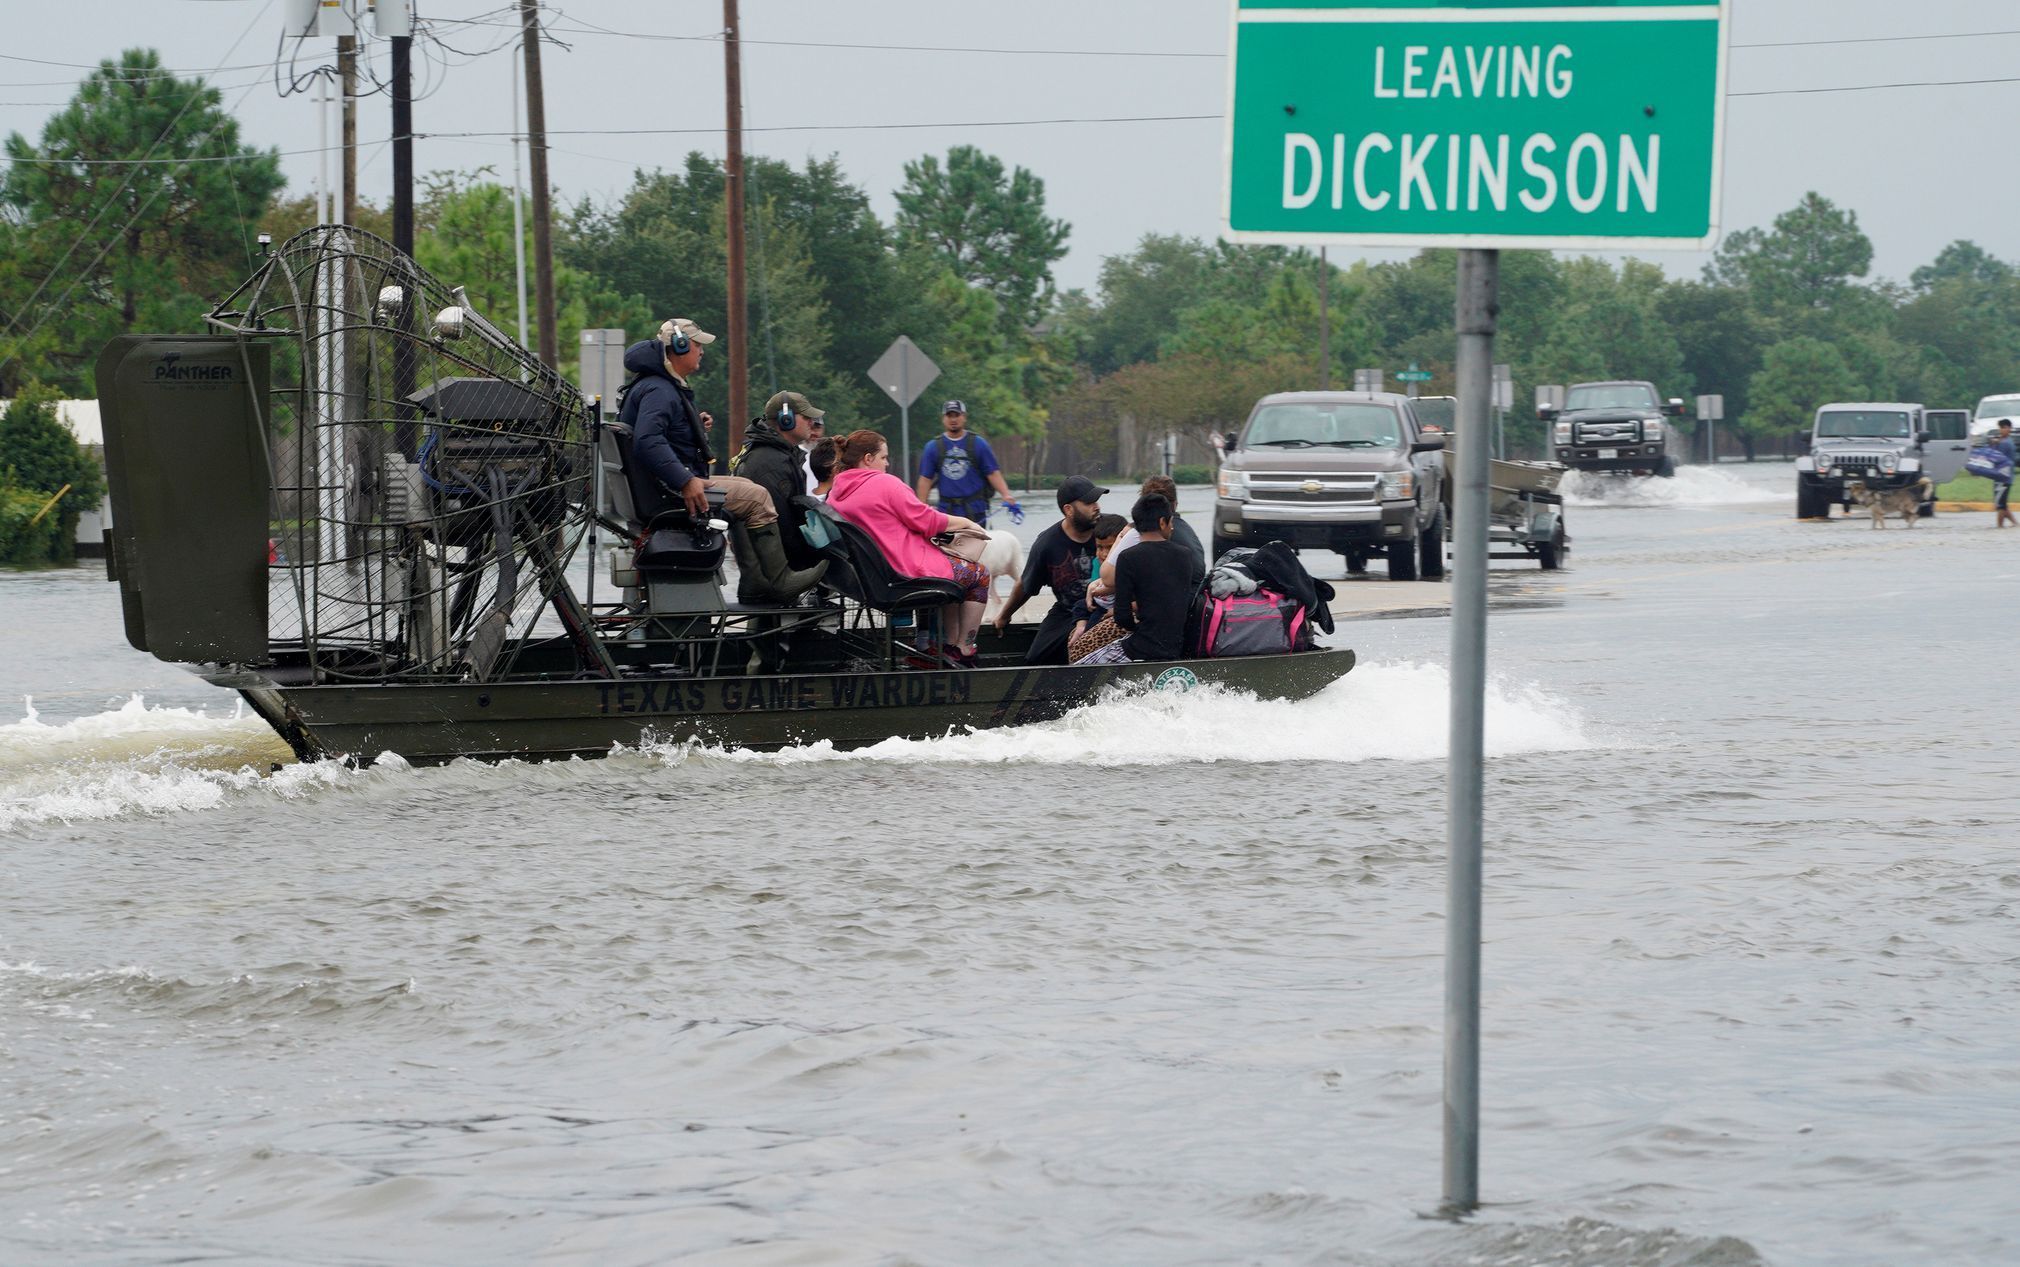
[669, 446]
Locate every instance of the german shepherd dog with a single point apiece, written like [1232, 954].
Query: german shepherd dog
[1905, 502]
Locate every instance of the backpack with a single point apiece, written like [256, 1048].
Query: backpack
[1262, 623]
[1991, 463]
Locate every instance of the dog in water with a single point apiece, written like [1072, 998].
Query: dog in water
[1905, 502]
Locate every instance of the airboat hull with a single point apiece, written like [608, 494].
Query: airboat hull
[432, 723]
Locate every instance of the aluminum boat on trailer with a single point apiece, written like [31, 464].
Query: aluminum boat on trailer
[381, 521]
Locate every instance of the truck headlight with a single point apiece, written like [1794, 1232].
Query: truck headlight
[1651, 430]
[1233, 484]
[1562, 433]
[1823, 462]
[1397, 485]
[1890, 462]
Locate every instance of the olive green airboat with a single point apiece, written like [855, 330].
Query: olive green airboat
[382, 522]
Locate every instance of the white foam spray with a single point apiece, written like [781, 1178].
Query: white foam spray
[1690, 486]
[1377, 712]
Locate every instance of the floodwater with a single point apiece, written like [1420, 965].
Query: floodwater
[1159, 983]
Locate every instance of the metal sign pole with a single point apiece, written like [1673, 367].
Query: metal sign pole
[1478, 306]
[905, 419]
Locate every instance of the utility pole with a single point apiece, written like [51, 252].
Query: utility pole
[347, 75]
[403, 145]
[732, 189]
[536, 147]
[1325, 324]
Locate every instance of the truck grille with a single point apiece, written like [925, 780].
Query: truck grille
[1608, 433]
[1855, 463]
[1317, 488]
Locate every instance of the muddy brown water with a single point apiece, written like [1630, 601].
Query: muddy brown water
[1158, 983]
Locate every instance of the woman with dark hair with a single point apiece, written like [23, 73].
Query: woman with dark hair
[869, 496]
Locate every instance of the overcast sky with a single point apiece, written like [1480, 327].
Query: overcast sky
[1921, 165]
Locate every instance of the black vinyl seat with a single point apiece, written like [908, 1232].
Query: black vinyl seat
[857, 567]
[700, 551]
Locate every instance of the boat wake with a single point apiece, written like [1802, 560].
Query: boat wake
[1392, 712]
[1691, 486]
[138, 759]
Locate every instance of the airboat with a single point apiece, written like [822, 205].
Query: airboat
[390, 528]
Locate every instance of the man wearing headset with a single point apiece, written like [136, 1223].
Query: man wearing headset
[773, 460]
[964, 467]
[670, 460]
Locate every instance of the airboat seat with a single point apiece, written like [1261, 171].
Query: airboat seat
[857, 567]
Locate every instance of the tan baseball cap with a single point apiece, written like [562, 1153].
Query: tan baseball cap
[802, 407]
[681, 325]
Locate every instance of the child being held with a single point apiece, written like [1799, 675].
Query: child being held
[1093, 607]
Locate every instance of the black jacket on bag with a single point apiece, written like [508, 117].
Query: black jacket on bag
[1276, 565]
[778, 466]
[669, 446]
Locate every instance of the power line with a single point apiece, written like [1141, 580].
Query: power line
[1876, 39]
[841, 127]
[1916, 83]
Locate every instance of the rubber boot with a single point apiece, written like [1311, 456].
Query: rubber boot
[750, 585]
[779, 582]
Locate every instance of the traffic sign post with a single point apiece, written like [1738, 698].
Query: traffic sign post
[1710, 411]
[1481, 125]
[903, 371]
[1411, 377]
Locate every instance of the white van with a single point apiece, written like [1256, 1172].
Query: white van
[1991, 409]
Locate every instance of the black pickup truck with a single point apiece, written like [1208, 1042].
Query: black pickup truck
[1615, 426]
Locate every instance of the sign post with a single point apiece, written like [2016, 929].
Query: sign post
[1413, 376]
[1485, 126]
[903, 371]
[1711, 411]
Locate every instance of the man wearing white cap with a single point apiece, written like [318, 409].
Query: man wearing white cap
[670, 461]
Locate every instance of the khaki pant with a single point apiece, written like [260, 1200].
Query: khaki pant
[745, 501]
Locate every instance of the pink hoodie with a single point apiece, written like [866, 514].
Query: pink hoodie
[881, 505]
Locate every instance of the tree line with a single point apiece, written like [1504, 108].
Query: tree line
[1180, 334]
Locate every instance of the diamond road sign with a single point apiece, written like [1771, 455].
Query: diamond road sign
[1476, 123]
[903, 371]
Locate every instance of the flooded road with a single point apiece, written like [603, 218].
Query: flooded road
[1158, 983]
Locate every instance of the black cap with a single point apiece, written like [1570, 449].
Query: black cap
[1078, 488]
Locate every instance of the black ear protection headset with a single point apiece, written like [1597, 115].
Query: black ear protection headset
[679, 344]
[787, 419]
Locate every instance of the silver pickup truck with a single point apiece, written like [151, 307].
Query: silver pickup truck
[1352, 472]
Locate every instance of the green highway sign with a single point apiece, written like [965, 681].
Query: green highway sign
[1413, 375]
[1476, 123]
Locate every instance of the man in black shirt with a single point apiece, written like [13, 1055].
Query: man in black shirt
[1063, 558]
[1155, 581]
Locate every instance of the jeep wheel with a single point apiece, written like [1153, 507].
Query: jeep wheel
[1927, 510]
[1551, 553]
[1431, 547]
[1812, 504]
[1402, 557]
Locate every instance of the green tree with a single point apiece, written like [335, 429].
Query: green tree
[1719, 336]
[1962, 261]
[989, 226]
[463, 235]
[1796, 376]
[148, 243]
[38, 455]
[1803, 269]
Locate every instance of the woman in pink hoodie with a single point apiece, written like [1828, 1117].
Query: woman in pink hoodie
[869, 496]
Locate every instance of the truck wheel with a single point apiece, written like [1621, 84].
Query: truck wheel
[1431, 548]
[1402, 560]
[1927, 510]
[1551, 553]
[1811, 505]
[1667, 470]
